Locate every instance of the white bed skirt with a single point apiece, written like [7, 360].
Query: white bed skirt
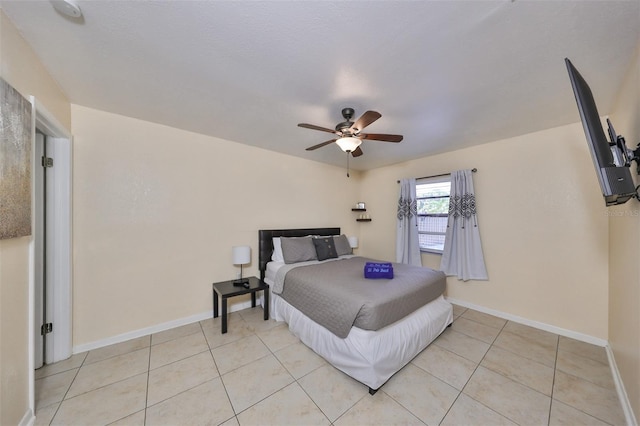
[371, 357]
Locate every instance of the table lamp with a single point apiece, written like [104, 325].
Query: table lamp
[353, 242]
[241, 256]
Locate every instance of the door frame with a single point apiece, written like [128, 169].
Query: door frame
[60, 260]
[39, 240]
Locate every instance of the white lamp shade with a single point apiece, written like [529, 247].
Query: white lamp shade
[353, 242]
[348, 144]
[241, 255]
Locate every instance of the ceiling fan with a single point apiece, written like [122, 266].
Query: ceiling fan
[349, 133]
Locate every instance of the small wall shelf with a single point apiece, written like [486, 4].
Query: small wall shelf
[361, 207]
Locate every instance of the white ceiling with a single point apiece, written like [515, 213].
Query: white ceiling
[445, 74]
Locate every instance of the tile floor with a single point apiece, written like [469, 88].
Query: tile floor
[481, 371]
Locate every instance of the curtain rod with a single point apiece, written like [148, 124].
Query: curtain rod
[443, 174]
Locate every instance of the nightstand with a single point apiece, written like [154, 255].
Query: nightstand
[226, 289]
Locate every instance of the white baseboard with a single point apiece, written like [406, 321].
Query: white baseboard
[622, 393]
[28, 419]
[158, 328]
[536, 324]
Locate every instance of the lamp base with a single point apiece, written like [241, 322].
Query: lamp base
[241, 283]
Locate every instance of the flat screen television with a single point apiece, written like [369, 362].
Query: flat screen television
[610, 158]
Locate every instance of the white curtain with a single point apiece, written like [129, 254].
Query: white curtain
[462, 255]
[407, 244]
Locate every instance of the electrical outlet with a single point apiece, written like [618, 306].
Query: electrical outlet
[238, 275]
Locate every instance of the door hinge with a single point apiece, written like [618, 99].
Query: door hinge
[46, 328]
[47, 162]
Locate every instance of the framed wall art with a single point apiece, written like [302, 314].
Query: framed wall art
[15, 163]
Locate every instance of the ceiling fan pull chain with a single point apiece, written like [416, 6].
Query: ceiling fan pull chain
[347, 164]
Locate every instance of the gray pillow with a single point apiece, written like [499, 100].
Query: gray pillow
[298, 249]
[342, 245]
[325, 248]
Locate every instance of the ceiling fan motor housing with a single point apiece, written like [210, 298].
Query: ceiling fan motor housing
[344, 127]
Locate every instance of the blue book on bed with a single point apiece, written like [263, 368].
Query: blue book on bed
[373, 270]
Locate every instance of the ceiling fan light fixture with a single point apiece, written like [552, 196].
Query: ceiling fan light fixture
[67, 7]
[349, 143]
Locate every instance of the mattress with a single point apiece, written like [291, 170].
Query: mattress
[270, 272]
[337, 296]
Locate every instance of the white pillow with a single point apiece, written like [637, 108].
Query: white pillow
[277, 255]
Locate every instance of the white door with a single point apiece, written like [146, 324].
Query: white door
[52, 265]
[58, 249]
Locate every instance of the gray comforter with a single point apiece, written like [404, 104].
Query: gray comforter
[336, 295]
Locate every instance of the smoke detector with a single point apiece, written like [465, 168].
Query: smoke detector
[67, 7]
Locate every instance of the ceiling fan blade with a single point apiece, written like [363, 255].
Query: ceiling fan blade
[366, 119]
[381, 137]
[320, 145]
[357, 152]
[314, 127]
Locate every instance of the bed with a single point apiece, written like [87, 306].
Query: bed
[368, 352]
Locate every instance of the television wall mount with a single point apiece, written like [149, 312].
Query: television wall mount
[628, 155]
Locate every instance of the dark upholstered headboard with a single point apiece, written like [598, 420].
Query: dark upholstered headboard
[265, 241]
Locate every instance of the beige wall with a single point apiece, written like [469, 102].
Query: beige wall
[14, 331]
[157, 210]
[21, 68]
[624, 241]
[542, 221]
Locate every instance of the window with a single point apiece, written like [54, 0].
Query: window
[432, 196]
